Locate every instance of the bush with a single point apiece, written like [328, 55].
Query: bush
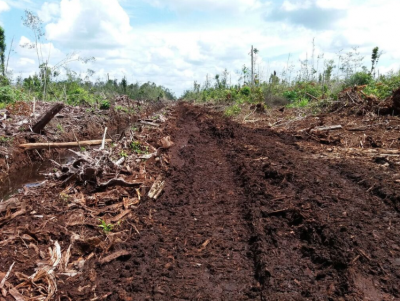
[290, 95]
[232, 111]
[104, 105]
[301, 103]
[359, 79]
[9, 94]
[245, 91]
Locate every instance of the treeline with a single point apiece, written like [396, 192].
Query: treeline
[315, 79]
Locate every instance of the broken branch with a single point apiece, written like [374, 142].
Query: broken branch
[47, 145]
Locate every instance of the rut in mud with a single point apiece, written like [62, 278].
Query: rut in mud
[246, 215]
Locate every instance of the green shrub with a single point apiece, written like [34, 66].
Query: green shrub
[104, 105]
[359, 79]
[290, 95]
[232, 110]
[245, 91]
[301, 103]
[9, 94]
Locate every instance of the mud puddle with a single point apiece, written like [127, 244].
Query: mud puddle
[31, 176]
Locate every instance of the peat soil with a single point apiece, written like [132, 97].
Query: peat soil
[246, 214]
[311, 229]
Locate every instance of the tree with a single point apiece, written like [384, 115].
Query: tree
[376, 54]
[124, 84]
[2, 50]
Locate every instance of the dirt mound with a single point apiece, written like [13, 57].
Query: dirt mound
[396, 101]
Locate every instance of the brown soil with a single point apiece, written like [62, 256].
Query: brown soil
[247, 213]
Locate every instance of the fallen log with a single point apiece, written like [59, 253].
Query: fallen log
[47, 145]
[47, 117]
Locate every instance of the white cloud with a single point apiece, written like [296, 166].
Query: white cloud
[208, 5]
[85, 24]
[49, 11]
[4, 6]
[22, 4]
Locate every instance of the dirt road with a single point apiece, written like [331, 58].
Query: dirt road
[248, 215]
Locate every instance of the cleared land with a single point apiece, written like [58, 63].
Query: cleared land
[280, 209]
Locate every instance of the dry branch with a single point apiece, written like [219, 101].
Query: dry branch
[150, 123]
[120, 182]
[313, 97]
[47, 145]
[114, 256]
[327, 128]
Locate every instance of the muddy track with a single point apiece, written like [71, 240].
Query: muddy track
[246, 215]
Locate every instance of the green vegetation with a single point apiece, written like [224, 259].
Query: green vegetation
[232, 110]
[107, 228]
[138, 148]
[5, 140]
[123, 154]
[314, 82]
[60, 128]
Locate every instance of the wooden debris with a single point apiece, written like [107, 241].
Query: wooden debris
[156, 189]
[327, 128]
[120, 216]
[119, 182]
[103, 143]
[277, 212]
[48, 145]
[359, 129]
[6, 276]
[114, 256]
[204, 245]
[149, 123]
[16, 295]
[166, 142]
[47, 117]
[312, 96]
[12, 203]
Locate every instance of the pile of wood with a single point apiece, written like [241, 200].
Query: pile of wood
[355, 101]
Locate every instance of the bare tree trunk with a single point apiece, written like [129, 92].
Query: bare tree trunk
[47, 117]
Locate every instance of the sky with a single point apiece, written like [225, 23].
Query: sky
[176, 42]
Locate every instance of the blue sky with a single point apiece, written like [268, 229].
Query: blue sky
[177, 42]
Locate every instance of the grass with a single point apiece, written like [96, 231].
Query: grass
[107, 228]
[138, 148]
[5, 140]
[232, 111]
[60, 128]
